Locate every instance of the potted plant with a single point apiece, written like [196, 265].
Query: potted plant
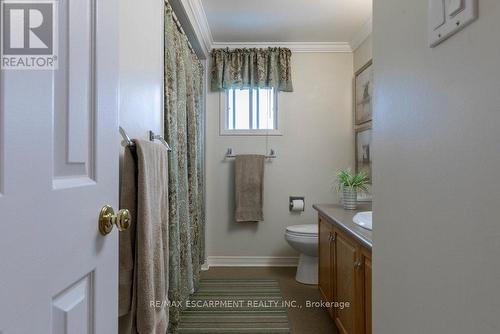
[350, 184]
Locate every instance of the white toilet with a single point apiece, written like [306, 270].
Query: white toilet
[304, 239]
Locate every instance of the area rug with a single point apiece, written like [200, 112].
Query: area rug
[235, 306]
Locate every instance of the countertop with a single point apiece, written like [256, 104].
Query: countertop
[336, 215]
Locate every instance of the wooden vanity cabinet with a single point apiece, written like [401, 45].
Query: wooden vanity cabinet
[367, 296]
[345, 276]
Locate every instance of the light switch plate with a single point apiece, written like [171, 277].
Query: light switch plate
[436, 13]
[459, 14]
[453, 7]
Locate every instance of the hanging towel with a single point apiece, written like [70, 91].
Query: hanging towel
[148, 242]
[249, 185]
[128, 200]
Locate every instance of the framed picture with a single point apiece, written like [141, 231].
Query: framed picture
[363, 150]
[363, 92]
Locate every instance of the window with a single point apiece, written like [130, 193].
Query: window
[249, 112]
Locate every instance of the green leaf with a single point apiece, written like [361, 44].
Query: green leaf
[358, 182]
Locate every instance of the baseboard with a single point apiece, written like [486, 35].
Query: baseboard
[252, 261]
[204, 267]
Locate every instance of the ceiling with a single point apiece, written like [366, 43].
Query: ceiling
[274, 21]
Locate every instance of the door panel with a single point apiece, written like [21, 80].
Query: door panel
[72, 310]
[74, 96]
[324, 276]
[345, 283]
[59, 149]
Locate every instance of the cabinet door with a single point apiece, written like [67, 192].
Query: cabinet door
[324, 274]
[346, 284]
[333, 271]
[368, 294]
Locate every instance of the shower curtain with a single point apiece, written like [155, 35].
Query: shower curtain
[183, 119]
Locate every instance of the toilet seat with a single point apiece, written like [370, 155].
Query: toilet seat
[306, 230]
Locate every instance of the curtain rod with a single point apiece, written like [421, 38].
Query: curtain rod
[179, 26]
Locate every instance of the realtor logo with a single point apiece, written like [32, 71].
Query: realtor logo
[29, 35]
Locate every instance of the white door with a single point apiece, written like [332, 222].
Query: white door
[59, 149]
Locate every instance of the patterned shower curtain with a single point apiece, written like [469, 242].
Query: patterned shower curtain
[184, 132]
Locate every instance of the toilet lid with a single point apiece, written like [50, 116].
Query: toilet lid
[306, 229]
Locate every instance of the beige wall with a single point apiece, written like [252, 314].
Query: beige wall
[363, 54]
[317, 140]
[141, 67]
[436, 184]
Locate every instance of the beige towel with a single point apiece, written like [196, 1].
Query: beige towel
[148, 312]
[249, 185]
[128, 200]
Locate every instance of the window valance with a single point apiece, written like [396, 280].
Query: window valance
[251, 68]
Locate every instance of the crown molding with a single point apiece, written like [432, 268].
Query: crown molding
[339, 47]
[196, 15]
[361, 35]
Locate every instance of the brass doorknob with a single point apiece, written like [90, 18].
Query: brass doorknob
[107, 219]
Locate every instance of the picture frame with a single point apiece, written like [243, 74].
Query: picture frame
[363, 93]
[363, 153]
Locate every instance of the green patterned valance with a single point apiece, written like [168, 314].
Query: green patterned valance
[252, 68]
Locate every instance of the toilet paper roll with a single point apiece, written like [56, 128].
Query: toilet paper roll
[297, 205]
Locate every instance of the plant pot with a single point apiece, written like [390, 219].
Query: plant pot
[349, 198]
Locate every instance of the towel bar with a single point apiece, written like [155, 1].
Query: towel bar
[152, 137]
[271, 155]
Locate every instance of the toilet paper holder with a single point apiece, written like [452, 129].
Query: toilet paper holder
[293, 198]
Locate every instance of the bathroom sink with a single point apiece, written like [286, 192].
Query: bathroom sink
[363, 219]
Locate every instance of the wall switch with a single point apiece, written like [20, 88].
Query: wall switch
[453, 7]
[436, 13]
[457, 14]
